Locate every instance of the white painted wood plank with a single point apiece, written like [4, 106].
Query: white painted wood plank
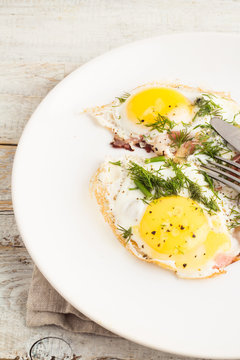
[6, 160]
[77, 30]
[15, 111]
[32, 79]
[22, 88]
[9, 234]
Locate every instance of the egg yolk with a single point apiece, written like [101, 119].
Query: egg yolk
[145, 105]
[176, 228]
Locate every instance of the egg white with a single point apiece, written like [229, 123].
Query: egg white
[113, 116]
[125, 207]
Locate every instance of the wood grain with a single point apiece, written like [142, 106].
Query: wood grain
[9, 234]
[22, 88]
[6, 160]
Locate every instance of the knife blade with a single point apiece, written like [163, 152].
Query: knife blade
[229, 132]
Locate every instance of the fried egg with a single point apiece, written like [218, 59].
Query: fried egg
[151, 113]
[173, 227]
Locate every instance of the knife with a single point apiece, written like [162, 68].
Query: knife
[228, 132]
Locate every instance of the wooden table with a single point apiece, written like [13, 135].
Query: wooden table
[41, 41]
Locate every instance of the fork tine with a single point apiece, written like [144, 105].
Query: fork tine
[234, 178]
[224, 181]
[236, 172]
[230, 162]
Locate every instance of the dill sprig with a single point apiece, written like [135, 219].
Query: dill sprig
[197, 195]
[138, 173]
[204, 126]
[235, 221]
[155, 159]
[211, 203]
[195, 190]
[126, 233]
[123, 98]
[118, 163]
[210, 147]
[154, 186]
[180, 137]
[209, 181]
[234, 120]
[161, 123]
[207, 106]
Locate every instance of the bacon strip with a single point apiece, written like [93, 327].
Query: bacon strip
[186, 149]
[141, 143]
[121, 143]
[223, 260]
[237, 158]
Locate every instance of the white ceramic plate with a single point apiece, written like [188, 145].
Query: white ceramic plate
[64, 232]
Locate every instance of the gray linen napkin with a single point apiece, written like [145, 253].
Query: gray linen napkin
[46, 307]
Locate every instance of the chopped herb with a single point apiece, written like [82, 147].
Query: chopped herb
[126, 233]
[209, 180]
[235, 221]
[234, 122]
[207, 106]
[204, 126]
[123, 98]
[143, 189]
[118, 163]
[155, 159]
[161, 123]
[154, 186]
[210, 147]
[194, 190]
[185, 124]
[180, 137]
[179, 250]
[210, 203]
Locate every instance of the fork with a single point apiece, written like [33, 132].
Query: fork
[215, 170]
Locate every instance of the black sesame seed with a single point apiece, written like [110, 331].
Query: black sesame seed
[184, 265]
[193, 235]
[153, 232]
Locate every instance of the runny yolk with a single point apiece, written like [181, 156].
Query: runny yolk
[176, 228]
[145, 105]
